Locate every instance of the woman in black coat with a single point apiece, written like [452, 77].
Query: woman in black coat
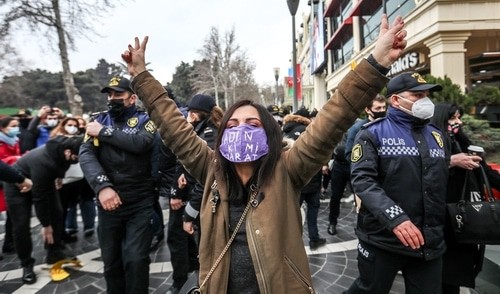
[461, 262]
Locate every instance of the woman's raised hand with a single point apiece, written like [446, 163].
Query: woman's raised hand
[391, 41]
[135, 58]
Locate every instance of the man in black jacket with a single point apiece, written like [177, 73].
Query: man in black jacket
[43, 166]
[116, 161]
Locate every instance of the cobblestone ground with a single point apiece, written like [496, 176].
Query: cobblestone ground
[333, 266]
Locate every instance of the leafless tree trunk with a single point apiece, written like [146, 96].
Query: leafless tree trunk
[74, 98]
[69, 18]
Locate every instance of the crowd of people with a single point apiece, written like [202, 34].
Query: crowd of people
[236, 179]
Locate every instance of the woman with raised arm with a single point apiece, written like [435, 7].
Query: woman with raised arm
[250, 218]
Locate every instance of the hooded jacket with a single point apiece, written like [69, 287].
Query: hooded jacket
[273, 225]
[43, 165]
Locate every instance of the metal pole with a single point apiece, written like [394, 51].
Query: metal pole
[276, 78]
[294, 67]
[293, 5]
[277, 96]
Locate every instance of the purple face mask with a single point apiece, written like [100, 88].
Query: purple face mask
[244, 143]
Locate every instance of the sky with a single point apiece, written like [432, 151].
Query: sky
[177, 30]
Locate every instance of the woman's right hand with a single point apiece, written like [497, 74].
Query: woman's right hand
[135, 57]
[465, 161]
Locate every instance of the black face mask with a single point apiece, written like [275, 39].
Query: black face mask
[81, 130]
[24, 122]
[116, 107]
[378, 114]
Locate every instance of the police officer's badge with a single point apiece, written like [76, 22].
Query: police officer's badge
[150, 126]
[438, 138]
[419, 78]
[86, 138]
[114, 82]
[132, 122]
[357, 153]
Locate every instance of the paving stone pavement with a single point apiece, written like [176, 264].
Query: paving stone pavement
[333, 267]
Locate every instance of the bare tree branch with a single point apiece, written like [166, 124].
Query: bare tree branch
[224, 69]
[62, 21]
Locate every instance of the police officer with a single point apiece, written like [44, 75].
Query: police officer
[399, 170]
[115, 159]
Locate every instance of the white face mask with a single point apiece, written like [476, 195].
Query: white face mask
[52, 122]
[423, 108]
[71, 129]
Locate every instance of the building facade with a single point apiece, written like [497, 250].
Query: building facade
[458, 39]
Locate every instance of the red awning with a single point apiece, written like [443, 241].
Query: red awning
[334, 5]
[341, 35]
[366, 7]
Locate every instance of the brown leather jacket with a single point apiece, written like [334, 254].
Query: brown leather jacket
[274, 228]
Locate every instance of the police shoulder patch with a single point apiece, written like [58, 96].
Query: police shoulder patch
[150, 126]
[438, 138]
[132, 122]
[357, 153]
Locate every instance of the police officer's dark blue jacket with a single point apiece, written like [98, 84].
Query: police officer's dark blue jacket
[399, 170]
[120, 156]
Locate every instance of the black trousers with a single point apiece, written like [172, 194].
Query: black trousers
[341, 176]
[183, 249]
[378, 269]
[125, 237]
[20, 207]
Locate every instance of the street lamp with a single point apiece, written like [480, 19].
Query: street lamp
[276, 77]
[292, 6]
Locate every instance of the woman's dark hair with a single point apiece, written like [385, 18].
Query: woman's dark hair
[265, 165]
[442, 113]
[5, 121]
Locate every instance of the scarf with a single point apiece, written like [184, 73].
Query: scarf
[11, 141]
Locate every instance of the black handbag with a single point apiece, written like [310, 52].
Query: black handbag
[476, 222]
[192, 285]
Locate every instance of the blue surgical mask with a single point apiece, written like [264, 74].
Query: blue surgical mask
[13, 132]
